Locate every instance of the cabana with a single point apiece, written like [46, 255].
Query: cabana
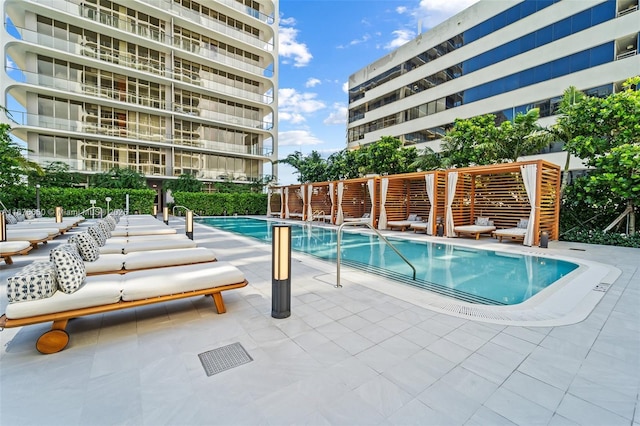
[274, 202]
[418, 194]
[320, 201]
[294, 196]
[355, 197]
[505, 194]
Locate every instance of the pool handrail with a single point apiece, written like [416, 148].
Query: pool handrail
[173, 211]
[366, 222]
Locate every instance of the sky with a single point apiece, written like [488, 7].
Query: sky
[323, 42]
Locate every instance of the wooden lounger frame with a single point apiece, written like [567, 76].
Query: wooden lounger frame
[508, 237]
[57, 338]
[475, 234]
[7, 256]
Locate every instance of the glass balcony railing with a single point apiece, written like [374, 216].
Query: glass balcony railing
[132, 132]
[92, 49]
[127, 60]
[146, 30]
[179, 10]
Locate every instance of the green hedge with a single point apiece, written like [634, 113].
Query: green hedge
[215, 204]
[603, 238]
[76, 200]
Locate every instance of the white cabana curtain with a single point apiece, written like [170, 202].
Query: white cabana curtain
[429, 184]
[303, 195]
[286, 203]
[452, 181]
[340, 214]
[269, 194]
[309, 206]
[384, 187]
[529, 177]
[372, 197]
[332, 197]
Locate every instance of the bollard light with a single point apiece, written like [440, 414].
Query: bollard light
[188, 224]
[108, 200]
[165, 215]
[58, 214]
[439, 227]
[38, 197]
[3, 227]
[93, 208]
[544, 239]
[281, 272]
[155, 211]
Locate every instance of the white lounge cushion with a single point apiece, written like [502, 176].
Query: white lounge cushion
[511, 232]
[158, 245]
[179, 279]
[11, 247]
[99, 290]
[472, 229]
[28, 235]
[419, 225]
[160, 258]
[113, 262]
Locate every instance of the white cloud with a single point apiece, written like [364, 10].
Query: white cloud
[401, 37]
[293, 105]
[433, 12]
[297, 138]
[345, 87]
[401, 9]
[288, 21]
[289, 47]
[312, 82]
[338, 115]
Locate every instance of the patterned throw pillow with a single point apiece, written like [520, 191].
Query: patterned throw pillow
[11, 219]
[524, 223]
[19, 217]
[87, 246]
[482, 221]
[69, 268]
[28, 214]
[104, 226]
[97, 235]
[35, 281]
[38, 213]
[111, 222]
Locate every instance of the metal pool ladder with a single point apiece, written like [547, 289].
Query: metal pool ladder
[382, 237]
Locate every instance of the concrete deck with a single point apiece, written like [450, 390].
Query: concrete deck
[357, 355]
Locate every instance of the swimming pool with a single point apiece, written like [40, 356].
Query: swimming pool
[476, 276]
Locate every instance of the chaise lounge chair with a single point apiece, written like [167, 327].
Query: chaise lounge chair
[58, 291]
[403, 225]
[514, 234]
[366, 218]
[13, 248]
[482, 226]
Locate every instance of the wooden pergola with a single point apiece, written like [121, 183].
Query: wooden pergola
[320, 205]
[355, 197]
[420, 193]
[503, 193]
[293, 205]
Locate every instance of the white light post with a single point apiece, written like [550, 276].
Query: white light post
[93, 208]
[108, 200]
[38, 197]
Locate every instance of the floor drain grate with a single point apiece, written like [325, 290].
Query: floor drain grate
[224, 358]
[603, 287]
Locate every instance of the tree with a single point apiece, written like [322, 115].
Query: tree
[185, 183]
[606, 136]
[13, 165]
[312, 168]
[428, 159]
[386, 156]
[55, 174]
[514, 140]
[117, 178]
[469, 142]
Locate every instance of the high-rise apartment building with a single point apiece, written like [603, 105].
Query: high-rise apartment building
[501, 57]
[166, 87]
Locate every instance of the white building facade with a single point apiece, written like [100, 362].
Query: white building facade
[500, 57]
[165, 87]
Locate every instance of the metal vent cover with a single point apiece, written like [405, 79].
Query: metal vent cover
[224, 358]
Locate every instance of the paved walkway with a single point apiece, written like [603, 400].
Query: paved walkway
[348, 356]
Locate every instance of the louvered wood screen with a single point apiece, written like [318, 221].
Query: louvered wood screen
[296, 206]
[275, 203]
[320, 199]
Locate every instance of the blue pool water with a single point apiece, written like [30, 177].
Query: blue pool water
[477, 276]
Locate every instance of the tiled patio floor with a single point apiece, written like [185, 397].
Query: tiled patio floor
[348, 356]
